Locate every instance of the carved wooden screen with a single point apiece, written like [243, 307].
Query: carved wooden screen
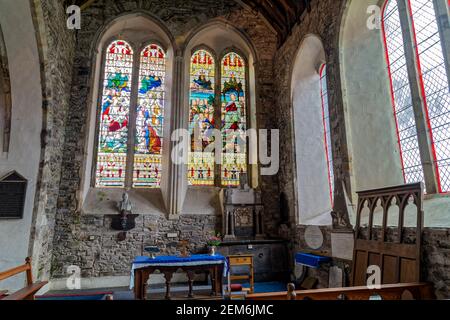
[395, 250]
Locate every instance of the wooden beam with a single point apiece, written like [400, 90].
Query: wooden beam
[275, 12]
[288, 7]
[274, 15]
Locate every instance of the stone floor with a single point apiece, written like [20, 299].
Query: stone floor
[178, 292]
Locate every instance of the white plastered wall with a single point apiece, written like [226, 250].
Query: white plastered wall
[370, 124]
[26, 123]
[313, 196]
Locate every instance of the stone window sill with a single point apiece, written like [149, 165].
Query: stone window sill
[437, 196]
[100, 201]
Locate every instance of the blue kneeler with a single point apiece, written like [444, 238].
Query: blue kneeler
[310, 260]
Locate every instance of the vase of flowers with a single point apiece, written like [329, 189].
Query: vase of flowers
[213, 242]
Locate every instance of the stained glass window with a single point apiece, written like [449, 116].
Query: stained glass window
[327, 129]
[114, 116]
[234, 119]
[201, 118]
[150, 118]
[401, 95]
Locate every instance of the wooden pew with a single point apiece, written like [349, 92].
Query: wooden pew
[30, 290]
[401, 291]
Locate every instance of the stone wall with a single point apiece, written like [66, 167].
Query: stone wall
[5, 98]
[105, 255]
[436, 260]
[56, 49]
[90, 243]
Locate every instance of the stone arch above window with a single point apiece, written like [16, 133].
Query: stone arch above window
[5, 98]
[311, 129]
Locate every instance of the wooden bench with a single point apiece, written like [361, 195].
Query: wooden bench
[30, 290]
[401, 291]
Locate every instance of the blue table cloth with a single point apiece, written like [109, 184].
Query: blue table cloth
[176, 261]
[169, 260]
[310, 260]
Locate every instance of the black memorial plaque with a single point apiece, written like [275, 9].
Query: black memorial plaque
[13, 189]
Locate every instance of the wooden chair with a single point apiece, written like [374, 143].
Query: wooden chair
[238, 261]
[30, 290]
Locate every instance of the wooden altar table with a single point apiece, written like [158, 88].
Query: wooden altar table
[143, 267]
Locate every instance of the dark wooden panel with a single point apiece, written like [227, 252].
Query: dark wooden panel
[408, 271]
[360, 273]
[390, 266]
[396, 249]
[374, 259]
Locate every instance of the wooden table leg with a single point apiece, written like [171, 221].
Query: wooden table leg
[168, 275]
[219, 273]
[191, 275]
[137, 285]
[212, 272]
[144, 285]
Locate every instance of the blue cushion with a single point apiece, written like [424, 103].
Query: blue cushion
[310, 260]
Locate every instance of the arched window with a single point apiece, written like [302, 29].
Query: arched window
[327, 129]
[203, 100]
[131, 138]
[202, 95]
[311, 136]
[234, 118]
[411, 30]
